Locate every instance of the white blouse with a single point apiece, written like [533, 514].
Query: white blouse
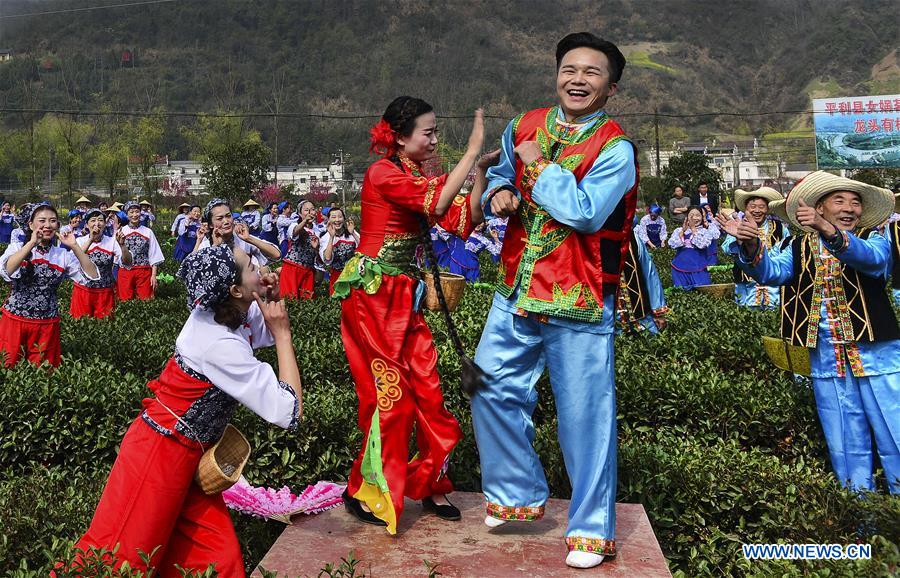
[225, 357]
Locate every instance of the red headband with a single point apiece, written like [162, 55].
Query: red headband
[383, 139]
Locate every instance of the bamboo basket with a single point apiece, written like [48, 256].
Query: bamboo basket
[453, 285]
[783, 355]
[720, 290]
[221, 465]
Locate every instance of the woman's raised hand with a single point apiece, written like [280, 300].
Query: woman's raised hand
[67, 238]
[275, 315]
[476, 137]
[273, 287]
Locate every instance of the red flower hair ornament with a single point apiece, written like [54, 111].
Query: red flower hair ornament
[383, 139]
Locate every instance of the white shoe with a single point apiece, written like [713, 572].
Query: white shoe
[579, 559]
[492, 522]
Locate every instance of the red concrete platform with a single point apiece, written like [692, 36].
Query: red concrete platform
[460, 549]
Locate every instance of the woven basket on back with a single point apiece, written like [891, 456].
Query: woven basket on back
[720, 290]
[221, 465]
[788, 357]
[453, 285]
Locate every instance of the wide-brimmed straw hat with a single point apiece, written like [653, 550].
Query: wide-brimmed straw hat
[742, 197]
[251, 203]
[146, 202]
[777, 208]
[877, 203]
[184, 205]
[82, 199]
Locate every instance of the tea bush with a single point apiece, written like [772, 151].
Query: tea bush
[720, 448]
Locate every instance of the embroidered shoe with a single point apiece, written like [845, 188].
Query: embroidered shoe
[443, 511]
[354, 506]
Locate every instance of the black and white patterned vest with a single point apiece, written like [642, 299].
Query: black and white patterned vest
[33, 294]
[341, 253]
[301, 251]
[139, 247]
[104, 260]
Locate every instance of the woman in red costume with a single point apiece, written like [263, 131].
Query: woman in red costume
[151, 503]
[390, 349]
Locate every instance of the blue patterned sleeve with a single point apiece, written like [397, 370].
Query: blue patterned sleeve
[287, 387]
[730, 246]
[586, 204]
[870, 256]
[503, 174]
[766, 268]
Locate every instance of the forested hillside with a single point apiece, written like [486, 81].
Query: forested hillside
[350, 57]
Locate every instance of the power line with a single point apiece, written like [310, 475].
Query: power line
[67, 10]
[362, 116]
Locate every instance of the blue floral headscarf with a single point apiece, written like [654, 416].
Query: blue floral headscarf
[208, 274]
[213, 204]
[24, 215]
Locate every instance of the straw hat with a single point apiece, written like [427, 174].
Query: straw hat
[82, 199]
[145, 202]
[742, 197]
[183, 205]
[878, 203]
[251, 203]
[777, 208]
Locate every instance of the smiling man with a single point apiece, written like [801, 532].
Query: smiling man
[836, 305]
[567, 180]
[771, 232]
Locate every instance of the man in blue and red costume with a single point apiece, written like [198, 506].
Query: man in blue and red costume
[835, 304]
[567, 179]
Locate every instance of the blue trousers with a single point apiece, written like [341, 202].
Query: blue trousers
[514, 351]
[848, 407]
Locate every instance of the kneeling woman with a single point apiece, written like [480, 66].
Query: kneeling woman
[151, 501]
[97, 298]
[390, 348]
[36, 267]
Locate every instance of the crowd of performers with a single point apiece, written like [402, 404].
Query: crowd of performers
[555, 207]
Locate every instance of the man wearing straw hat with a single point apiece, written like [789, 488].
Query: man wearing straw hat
[747, 292]
[252, 217]
[836, 305]
[83, 204]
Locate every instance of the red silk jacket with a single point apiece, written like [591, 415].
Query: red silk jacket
[394, 198]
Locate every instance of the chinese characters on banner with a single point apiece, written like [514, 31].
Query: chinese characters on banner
[857, 131]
